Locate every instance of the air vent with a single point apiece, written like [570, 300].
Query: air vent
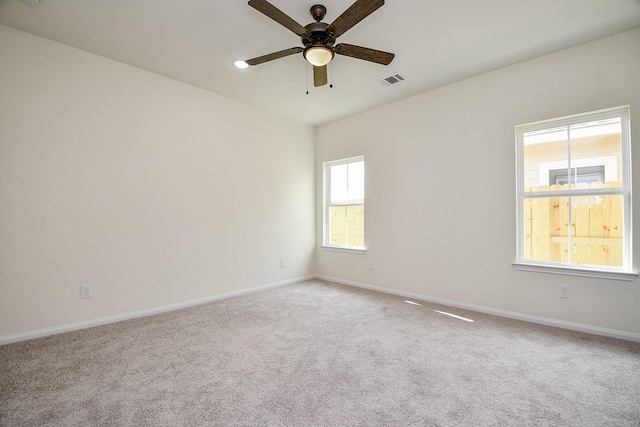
[391, 80]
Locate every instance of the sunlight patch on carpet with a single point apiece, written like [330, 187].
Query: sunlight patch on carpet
[453, 315]
[414, 303]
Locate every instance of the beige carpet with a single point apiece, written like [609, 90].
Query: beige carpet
[320, 354]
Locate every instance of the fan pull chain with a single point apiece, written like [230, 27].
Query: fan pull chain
[331, 74]
[307, 80]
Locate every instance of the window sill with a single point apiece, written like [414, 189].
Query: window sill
[344, 249]
[628, 276]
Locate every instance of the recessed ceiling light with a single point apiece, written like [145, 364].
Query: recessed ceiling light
[240, 64]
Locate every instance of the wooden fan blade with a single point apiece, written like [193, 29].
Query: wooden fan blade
[319, 76]
[354, 14]
[279, 16]
[274, 55]
[364, 53]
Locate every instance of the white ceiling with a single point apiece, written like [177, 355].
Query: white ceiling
[436, 42]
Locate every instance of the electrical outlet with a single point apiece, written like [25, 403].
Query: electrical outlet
[565, 291]
[85, 291]
[281, 262]
[370, 265]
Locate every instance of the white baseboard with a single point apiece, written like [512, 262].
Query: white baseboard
[8, 339]
[629, 336]
[595, 330]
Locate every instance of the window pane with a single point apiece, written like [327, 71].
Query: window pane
[355, 225]
[576, 230]
[338, 179]
[601, 242]
[580, 153]
[338, 225]
[347, 225]
[596, 144]
[347, 183]
[544, 150]
[546, 233]
[356, 182]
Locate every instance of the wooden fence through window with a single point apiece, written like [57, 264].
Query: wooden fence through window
[347, 225]
[596, 226]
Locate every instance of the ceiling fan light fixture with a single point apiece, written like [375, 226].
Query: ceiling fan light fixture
[318, 55]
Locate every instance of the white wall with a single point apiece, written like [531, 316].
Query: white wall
[156, 192]
[153, 191]
[440, 186]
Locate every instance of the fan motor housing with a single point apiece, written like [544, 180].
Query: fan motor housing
[318, 34]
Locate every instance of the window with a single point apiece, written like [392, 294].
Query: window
[574, 195]
[579, 175]
[344, 203]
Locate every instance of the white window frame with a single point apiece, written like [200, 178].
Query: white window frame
[326, 233]
[617, 273]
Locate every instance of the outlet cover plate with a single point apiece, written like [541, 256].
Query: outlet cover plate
[85, 291]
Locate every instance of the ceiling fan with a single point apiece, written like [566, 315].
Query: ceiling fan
[319, 38]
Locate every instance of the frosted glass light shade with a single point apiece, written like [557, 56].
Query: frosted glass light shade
[318, 55]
